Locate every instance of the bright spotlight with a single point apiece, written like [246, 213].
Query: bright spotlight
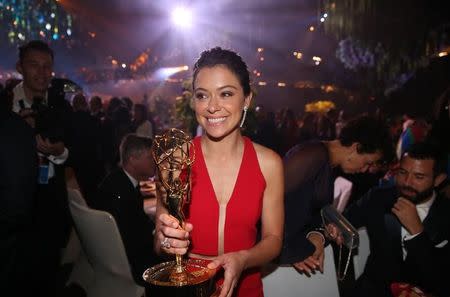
[164, 73]
[182, 17]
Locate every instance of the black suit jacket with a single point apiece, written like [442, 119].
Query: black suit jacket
[18, 175]
[85, 155]
[425, 266]
[118, 196]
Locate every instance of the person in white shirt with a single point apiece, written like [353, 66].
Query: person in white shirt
[35, 102]
[36, 66]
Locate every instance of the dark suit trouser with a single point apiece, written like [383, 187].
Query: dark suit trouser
[16, 259]
[53, 225]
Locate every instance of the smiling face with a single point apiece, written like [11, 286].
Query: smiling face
[219, 101]
[36, 69]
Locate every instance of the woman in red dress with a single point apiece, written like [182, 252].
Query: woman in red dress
[235, 183]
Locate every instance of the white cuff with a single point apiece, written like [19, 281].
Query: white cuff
[409, 237]
[58, 160]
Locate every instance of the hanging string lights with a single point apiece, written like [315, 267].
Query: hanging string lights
[24, 20]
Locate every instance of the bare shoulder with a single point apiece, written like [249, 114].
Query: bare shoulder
[269, 161]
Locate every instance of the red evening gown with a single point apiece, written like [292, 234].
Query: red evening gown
[232, 226]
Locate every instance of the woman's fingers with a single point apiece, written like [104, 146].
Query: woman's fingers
[312, 263]
[233, 286]
[173, 245]
[215, 263]
[226, 287]
[172, 238]
[188, 227]
[175, 233]
[168, 220]
[321, 262]
[309, 265]
[302, 267]
[173, 242]
[224, 291]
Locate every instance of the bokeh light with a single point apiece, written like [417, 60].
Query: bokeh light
[182, 17]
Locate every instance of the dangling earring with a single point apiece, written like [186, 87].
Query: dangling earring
[243, 116]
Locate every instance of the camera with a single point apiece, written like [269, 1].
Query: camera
[47, 120]
[38, 105]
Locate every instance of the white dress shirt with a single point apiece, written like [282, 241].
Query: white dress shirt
[132, 179]
[19, 94]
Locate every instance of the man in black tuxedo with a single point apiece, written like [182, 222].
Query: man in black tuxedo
[18, 174]
[119, 195]
[409, 228]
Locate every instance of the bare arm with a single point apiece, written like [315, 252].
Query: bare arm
[272, 212]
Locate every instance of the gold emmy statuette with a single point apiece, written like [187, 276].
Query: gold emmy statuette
[174, 155]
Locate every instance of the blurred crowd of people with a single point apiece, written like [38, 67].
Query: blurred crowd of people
[283, 129]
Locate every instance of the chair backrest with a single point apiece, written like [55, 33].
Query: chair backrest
[361, 255]
[100, 239]
[287, 282]
[342, 191]
[73, 248]
[75, 195]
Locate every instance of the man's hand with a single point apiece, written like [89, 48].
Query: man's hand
[26, 112]
[407, 214]
[47, 148]
[315, 261]
[148, 189]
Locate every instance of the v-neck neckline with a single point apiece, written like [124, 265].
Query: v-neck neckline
[237, 177]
